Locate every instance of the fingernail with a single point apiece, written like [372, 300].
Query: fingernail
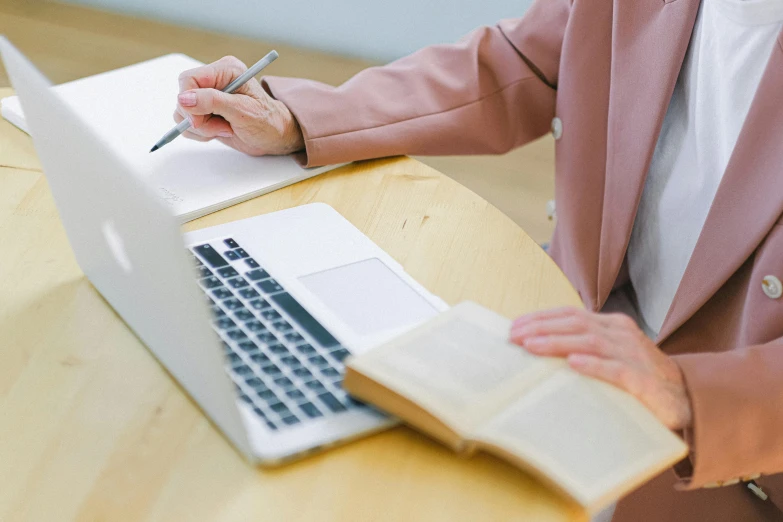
[519, 331]
[225, 134]
[534, 342]
[577, 359]
[187, 99]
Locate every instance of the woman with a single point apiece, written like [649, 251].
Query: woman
[669, 124]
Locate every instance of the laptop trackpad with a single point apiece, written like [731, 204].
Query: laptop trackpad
[369, 297]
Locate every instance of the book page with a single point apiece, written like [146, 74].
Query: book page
[460, 366]
[595, 441]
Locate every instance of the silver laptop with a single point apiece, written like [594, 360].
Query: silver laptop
[254, 318]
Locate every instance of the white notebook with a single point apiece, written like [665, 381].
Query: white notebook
[136, 103]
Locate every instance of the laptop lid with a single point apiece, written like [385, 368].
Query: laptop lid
[128, 245]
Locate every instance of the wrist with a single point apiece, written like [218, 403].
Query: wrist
[684, 413]
[293, 138]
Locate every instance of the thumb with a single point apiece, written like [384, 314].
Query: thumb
[201, 102]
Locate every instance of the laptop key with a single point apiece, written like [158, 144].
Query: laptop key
[267, 337]
[236, 334]
[210, 282]
[315, 385]
[269, 286]
[242, 369]
[217, 311]
[305, 349]
[294, 338]
[227, 272]
[255, 382]
[270, 315]
[302, 372]
[233, 304]
[241, 252]
[261, 358]
[257, 275]
[222, 293]
[249, 347]
[267, 395]
[303, 318]
[330, 372]
[248, 293]
[340, 354]
[233, 358]
[255, 326]
[282, 326]
[224, 323]
[243, 314]
[295, 394]
[278, 348]
[283, 382]
[290, 420]
[252, 263]
[260, 304]
[271, 370]
[230, 243]
[204, 271]
[213, 258]
[231, 255]
[290, 361]
[258, 411]
[318, 360]
[278, 407]
[237, 282]
[332, 402]
[310, 410]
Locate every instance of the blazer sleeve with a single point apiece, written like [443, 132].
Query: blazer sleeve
[737, 402]
[492, 91]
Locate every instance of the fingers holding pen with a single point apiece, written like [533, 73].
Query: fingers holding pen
[249, 119]
[209, 127]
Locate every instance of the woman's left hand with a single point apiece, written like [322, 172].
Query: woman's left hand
[610, 347]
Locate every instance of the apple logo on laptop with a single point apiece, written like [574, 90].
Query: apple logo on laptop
[117, 246]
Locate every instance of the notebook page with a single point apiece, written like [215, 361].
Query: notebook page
[597, 442]
[459, 366]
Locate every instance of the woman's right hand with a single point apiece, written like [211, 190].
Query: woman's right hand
[248, 120]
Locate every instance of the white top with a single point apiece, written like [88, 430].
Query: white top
[728, 52]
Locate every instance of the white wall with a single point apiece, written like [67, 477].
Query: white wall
[376, 29]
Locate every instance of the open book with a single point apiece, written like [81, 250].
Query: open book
[131, 108]
[458, 379]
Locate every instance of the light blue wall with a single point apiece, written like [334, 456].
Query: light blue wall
[376, 29]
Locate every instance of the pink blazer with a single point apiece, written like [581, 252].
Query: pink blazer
[606, 70]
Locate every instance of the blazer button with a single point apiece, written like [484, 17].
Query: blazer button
[757, 490]
[557, 128]
[551, 210]
[772, 287]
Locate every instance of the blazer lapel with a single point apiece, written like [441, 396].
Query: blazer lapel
[648, 47]
[748, 202]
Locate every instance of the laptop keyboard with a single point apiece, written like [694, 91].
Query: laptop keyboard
[284, 363]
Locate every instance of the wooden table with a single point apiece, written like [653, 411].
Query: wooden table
[93, 428]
